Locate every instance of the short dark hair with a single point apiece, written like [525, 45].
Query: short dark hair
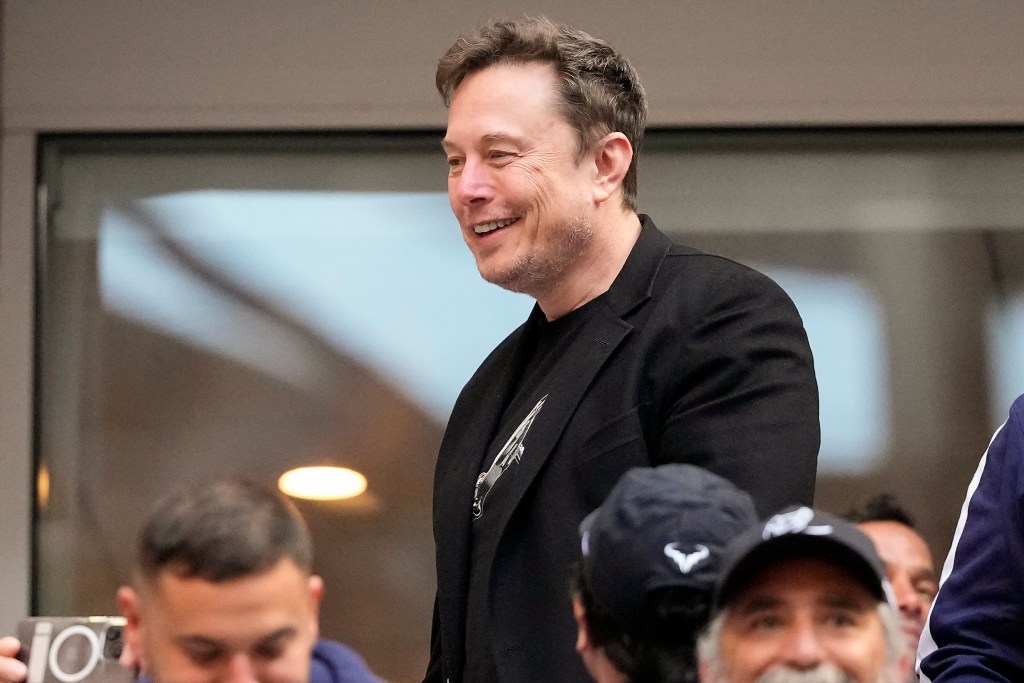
[883, 507]
[221, 531]
[599, 91]
[663, 650]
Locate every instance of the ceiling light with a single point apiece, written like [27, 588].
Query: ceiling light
[322, 483]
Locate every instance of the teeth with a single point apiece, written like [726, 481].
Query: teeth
[488, 227]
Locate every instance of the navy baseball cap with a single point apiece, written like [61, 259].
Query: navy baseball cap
[660, 527]
[802, 532]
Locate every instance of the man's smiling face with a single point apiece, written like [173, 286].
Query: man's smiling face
[516, 182]
[253, 629]
[805, 619]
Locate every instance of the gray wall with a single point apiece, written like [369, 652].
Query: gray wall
[119, 65]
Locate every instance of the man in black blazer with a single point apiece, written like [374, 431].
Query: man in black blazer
[639, 352]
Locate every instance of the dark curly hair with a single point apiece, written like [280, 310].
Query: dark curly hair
[881, 508]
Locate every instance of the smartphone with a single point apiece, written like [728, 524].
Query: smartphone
[73, 649]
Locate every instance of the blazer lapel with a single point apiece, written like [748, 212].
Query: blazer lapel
[574, 374]
[474, 419]
[472, 424]
[466, 440]
[595, 344]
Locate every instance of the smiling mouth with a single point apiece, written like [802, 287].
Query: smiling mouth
[485, 228]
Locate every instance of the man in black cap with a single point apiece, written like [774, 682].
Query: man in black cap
[803, 597]
[650, 554]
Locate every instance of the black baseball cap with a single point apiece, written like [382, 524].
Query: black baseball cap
[800, 531]
[660, 527]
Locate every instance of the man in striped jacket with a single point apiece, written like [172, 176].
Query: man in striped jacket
[975, 628]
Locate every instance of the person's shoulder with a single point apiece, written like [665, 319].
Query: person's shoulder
[1017, 411]
[683, 257]
[1013, 441]
[334, 662]
[686, 264]
[692, 256]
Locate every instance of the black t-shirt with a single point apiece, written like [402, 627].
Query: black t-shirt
[499, 467]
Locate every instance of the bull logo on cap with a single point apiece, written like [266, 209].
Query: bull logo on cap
[686, 561]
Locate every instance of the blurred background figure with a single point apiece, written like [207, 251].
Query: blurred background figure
[908, 561]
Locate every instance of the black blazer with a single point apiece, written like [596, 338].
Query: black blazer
[691, 358]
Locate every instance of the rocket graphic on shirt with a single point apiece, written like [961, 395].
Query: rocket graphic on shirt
[510, 453]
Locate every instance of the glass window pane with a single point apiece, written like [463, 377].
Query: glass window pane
[236, 305]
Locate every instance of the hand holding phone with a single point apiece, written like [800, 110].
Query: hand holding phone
[73, 649]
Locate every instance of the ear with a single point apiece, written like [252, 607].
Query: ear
[579, 613]
[316, 595]
[612, 156]
[133, 654]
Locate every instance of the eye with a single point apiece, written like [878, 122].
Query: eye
[500, 155]
[203, 655]
[270, 650]
[455, 165]
[764, 622]
[928, 589]
[273, 647]
[841, 619]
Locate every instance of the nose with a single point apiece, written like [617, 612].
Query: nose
[907, 598]
[804, 649]
[471, 185]
[240, 669]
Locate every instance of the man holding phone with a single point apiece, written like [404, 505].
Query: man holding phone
[222, 590]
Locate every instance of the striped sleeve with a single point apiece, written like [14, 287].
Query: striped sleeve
[975, 630]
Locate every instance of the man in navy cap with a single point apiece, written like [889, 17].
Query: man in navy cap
[650, 553]
[803, 597]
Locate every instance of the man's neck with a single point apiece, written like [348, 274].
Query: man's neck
[592, 274]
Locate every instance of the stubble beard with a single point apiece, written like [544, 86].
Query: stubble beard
[538, 272]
